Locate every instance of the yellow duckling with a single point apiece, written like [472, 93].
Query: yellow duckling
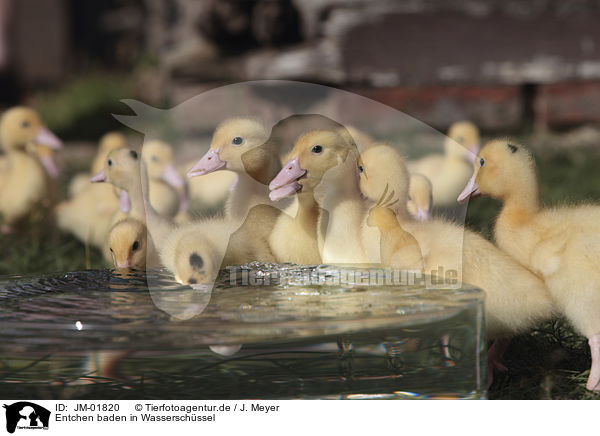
[510, 308]
[240, 145]
[323, 165]
[449, 172]
[45, 155]
[130, 246]
[125, 170]
[397, 247]
[93, 209]
[420, 199]
[195, 252]
[26, 184]
[559, 244]
[294, 236]
[516, 300]
[108, 142]
[167, 187]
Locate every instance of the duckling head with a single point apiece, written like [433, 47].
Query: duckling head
[383, 172]
[128, 242]
[419, 197]
[122, 169]
[195, 261]
[21, 126]
[110, 141]
[158, 157]
[316, 154]
[232, 139]
[502, 169]
[463, 141]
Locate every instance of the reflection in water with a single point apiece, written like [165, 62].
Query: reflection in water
[299, 340]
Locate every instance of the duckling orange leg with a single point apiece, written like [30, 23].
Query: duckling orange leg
[593, 383]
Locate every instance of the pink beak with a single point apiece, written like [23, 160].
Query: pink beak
[50, 166]
[286, 183]
[47, 138]
[126, 264]
[470, 191]
[100, 177]
[172, 177]
[207, 164]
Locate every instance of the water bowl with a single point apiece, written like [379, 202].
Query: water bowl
[267, 331]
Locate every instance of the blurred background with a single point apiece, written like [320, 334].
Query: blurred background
[509, 66]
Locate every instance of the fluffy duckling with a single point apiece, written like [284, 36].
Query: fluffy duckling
[397, 247]
[323, 165]
[125, 170]
[294, 236]
[240, 145]
[420, 199]
[26, 184]
[512, 307]
[559, 244]
[194, 253]
[89, 215]
[93, 209]
[130, 246]
[450, 171]
[108, 142]
[167, 187]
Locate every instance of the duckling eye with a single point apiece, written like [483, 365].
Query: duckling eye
[237, 140]
[192, 281]
[481, 162]
[154, 159]
[133, 154]
[409, 198]
[110, 162]
[361, 169]
[135, 246]
[317, 149]
[25, 124]
[111, 250]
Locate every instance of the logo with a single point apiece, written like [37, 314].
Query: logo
[26, 415]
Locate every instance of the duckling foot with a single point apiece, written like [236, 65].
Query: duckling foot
[495, 353]
[593, 383]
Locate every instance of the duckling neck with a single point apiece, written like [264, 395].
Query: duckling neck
[246, 193]
[141, 209]
[308, 211]
[519, 207]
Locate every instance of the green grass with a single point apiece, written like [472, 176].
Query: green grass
[82, 108]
